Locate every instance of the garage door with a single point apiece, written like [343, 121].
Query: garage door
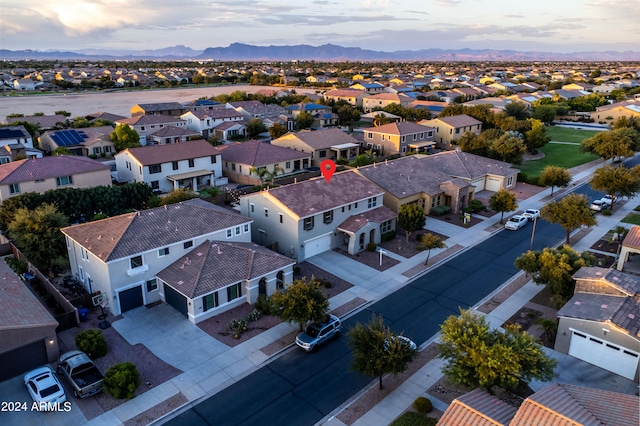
[317, 245]
[131, 298]
[22, 359]
[175, 299]
[479, 184]
[606, 355]
[493, 184]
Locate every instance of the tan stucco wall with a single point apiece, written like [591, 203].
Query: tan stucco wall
[84, 180]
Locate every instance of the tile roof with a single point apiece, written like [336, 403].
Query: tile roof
[173, 131]
[346, 93]
[632, 240]
[48, 167]
[214, 265]
[101, 115]
[148, 120]
[399, 97]
[159, 154]
[217, 113]
[399, 128]
[316, 195]
[258, 108]
[134, 233]
[477, 408]
[319, 139]
[378, 215]
[160, 106]
[624, 312]
[257, 153]
[456, 121]
[44, 121]
[627, 284]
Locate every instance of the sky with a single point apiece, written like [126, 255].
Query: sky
[383, 25]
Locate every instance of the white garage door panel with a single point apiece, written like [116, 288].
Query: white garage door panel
[479, 184]
[493, 184]
[317, 246]
[604, 354]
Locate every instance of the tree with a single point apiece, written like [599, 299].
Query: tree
[347, 114]
[61, 150]
[301, 302]
[610, 144]
[508, 148]
[255, 127]
[124, 137]
[617, 181]
[555, 268]
[554, 176]
[536, 137]
[276, 130]
[37, 233]
[544, 113]
[430, 241]
[517, 109]
[478, 356]
[411, 218]
[261, 172]
[304, 120]
[503, 201]
[474, 144]
[177, 195]
[377, 350]
[570, 212]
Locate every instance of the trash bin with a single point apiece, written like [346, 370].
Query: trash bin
[83, 313]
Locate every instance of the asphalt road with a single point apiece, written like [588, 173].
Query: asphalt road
[300, 388]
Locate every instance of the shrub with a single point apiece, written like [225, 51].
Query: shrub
[122, 380]
[477, 206]
[410, 418]
[18, 266]
[440, 210]
[237, 325]
[606, 212]
[388, 236]
[371, 247]
[327, 284]
[423, 405]
[254, 315]
[265, 305]
[92, 343]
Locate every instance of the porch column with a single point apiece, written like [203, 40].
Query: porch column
[194, 184]
[175, 185]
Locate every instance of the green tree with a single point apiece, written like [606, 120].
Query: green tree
[348, 115]
[478, 356]
[610, 144]
[517, 110]
[474, 144]
[508, 148]
[377, 351]
[570, 212]
[544, 113]
[61, 150]
[124, 137]
[536, 137]
[301, 302]
[428, 242]
[37, 233]
[411, 218]
[63, 112]
[617, 181]
[276, 130]
[177, 196]
[255, 127]
[503, 201]
[554, 176]
[304, 120]
[261, 172]
[122, 380]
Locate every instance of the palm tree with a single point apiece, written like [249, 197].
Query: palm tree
[261, 172]
[276, 169]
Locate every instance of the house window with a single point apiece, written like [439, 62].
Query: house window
[187, 244]
[213, 159]
[509, 181]
[233, 292]
[308, 223]
[281, 217]
[191, 162]
[229, 233]
[152, 285]
[421, 135]
[323, 153]
[64, 180]
[402, 139]
[233, 167]
[404, 149]
[163, 252]
[372, 202]
[175, 165]
[210, 301]
[328, 217]
[136, 262]
[385, 227]
[246, 228]
[237, 230]
[155, 168]
[252, 207]
[369, 135]
[288, 165]
[457, 131]
[266, 212]
[14, 188]
[435, 201]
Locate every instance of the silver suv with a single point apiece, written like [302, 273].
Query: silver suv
[318, 333]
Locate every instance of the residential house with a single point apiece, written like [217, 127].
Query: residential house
[370, 88]
[449, 129]
[83, 142]
[171, 134]
[46, 173]
[43, 122]
[146, 125]
[201, 105]
[16, 141]
[449, 178]
[322, 115]
[608, 113]
[351, 96]
[307, 218]
[327, 144]
[25, 84]
[434, 107]
[399, 138]
[242, 162]
[381, 100]
[121, 256]
[189, 165]
[101, 115]
[205, 121]
[269, 114]
[170, 109]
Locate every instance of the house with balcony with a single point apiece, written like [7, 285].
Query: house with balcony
[400, 138]
[307, 218]
[449, 129]
[327, 144]
[187, 165]
[206, 122]
[146, 125]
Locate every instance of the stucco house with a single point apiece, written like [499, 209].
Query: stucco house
[400, 138]
[322, 114]
[205, 121]
[307, 218]
[600, 324]
[608, 113]
[450, 129]
[171, 134]
[381, 100]
[14, 141]
[269, 114]
[121, 256]
[146, 125]
[327, 144]
[46, 173]
[193, 165]
[170, 109]
[351, 96]
[83, 142]
[370, 88]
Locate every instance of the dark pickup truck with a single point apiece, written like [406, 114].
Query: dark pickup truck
[81, 373]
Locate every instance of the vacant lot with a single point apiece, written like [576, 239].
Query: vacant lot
[557, 154]
[568, 134]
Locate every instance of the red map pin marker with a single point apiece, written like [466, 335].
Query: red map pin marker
[327, 167]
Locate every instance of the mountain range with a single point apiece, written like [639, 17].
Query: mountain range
[326, 52]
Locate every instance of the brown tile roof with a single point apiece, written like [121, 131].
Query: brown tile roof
[624, 312]
[477, 408]
[148, 120]
[564, 404]
[357, 221]
[316, 195]
[345, 93]
[47, 167]
[400, 97]
[456, 121]
[133, 233]
[215, 265]
[319, 139]
[229, 124]
[173, 131]
[399, 128]
[217, 113]
[159, 154]
[632, 240]
[101, 115]
[257, 153]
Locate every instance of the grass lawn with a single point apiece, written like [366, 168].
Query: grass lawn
[632, 218]
[561, 155]
[568, 134]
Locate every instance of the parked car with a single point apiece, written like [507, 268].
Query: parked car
[598, 205]
[404, 340]
[531, 214]
[44, 387]
[78, 369]
[319, 333]
[516, 222]
[608, 200]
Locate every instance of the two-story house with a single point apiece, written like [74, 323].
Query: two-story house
[192, 165]
[15, 141]
[46, 173]
[269, 114]
[370, 88]
[146, 125]
[327, 144]
[450, 129]
[322, 115]
[381, 100]
[205, 121]
[307, 218]
[170, 109]
[351, 96]
[400, 138]
[82, 142]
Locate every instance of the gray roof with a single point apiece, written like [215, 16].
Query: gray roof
[400, 128]
[378, 215]
[215, 265]
[160, 106]
[257, 153]
[319, 139]
[624, 312]
[48, 167]
[134, 233]
[159, 154]
[628, 284]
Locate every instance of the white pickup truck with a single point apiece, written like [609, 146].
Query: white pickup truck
[78, 369]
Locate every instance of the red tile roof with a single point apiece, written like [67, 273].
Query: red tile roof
[477, 408]
[632, 240]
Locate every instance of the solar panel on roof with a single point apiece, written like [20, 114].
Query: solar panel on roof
[67, 137]
[10, 133]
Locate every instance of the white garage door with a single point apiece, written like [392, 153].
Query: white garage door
[603, 354]
[317, 245]
[479, 184]
[493, 184]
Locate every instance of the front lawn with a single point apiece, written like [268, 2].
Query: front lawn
[632, 218]
[568, 134]
[556, 154]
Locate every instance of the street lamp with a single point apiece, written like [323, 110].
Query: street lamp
[533, 232]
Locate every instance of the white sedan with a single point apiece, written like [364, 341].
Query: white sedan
[531, 214]
[516, 222]
[44, 387]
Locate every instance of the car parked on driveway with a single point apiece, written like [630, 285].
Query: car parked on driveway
[531, 214]
[319, 333]
[45, 388]
[516, 222]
